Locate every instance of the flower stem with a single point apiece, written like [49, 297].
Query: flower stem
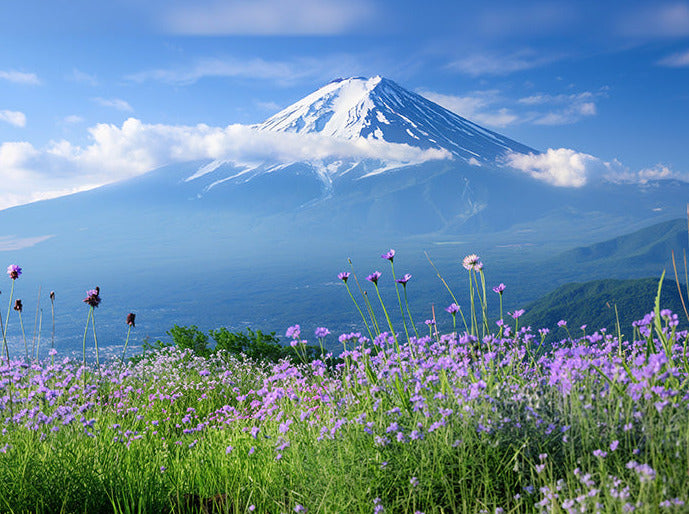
[411, 320]
[392, 330]
[88, 318]
[7, 320]
[95, 339]
[21, 324]
[399, 299]
[129, 329]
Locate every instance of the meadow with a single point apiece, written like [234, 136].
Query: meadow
[485, 418]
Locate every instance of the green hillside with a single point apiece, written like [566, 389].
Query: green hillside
[593, 303]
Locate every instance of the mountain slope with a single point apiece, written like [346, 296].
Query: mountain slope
[379, 109]
[593, 304]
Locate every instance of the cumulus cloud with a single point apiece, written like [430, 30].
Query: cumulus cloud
[677, 60]
[16, 118]
[119, 152]
[20, 77]
[268, 17]
[115, 103]
[560, 167]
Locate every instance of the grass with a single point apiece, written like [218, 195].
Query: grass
[458, 422]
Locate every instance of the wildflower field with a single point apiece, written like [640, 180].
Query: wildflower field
[486, 418]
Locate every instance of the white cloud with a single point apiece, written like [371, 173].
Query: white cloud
[16, 118]
[495, 64]
[19, 77]
[119, 152]
[560, 167]
[678, 60]
[281, 72]
[73, 119]
[659, 20]
[562, 109]
[268, 17]
[85, 78]
[115, 103]
[476, 106]
[492, 109]
[657, 172]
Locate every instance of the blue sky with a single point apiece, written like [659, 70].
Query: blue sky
[607, 79]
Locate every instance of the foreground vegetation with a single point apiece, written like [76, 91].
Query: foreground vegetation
[479, 421]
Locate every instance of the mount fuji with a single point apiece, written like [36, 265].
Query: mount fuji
[361, 165]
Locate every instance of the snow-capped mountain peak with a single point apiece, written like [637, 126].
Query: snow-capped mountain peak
[378, 108]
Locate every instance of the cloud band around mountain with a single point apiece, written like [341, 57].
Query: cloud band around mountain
[120, 152]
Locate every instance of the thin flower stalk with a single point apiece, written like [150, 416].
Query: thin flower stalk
[35, 325]
[52, 313]
[131, 319]
[19, 307]
[344, 276]
[369, 309]
[466, 328]
[7, 320]
[390, 256]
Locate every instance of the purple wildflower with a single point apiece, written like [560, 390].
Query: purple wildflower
[343, 276]
[453, 308]
[322, 332]
[294, 331]
[14, 271]
[499, 288]
[18, 305]
[600, 453]
[404, 279]
[228, 450]
[92, 297]
[517, 314]
[429, 322]
[389, 255]
[373, 277]
[472, 262]
[130, 319]
[562, 323]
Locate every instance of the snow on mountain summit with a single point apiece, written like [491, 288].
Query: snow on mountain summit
[378, 108]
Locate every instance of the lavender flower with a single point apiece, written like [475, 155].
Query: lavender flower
[517, 314]
[92, 297]
[453, 308]
[373, 277]
[499, 288]
[389, 255]
[14, 271]
[322, 332]
[343, 276]
[472, 262]
[404, 279]
[562, 323]
[294, 331]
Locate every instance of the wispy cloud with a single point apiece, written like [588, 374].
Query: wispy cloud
[268, 17]
[16, 118]
[658, 20]
[493, 109]
[20, 77]
[478, 106]
[480, 64]
[84, 78]
[115, 103]
[564, 109]
[643, 176]
[73, 119]
[284, 72]
[677, 60]
[119, 152]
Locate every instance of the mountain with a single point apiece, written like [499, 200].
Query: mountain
[379, 109]
[593, 304]
[259, 241]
